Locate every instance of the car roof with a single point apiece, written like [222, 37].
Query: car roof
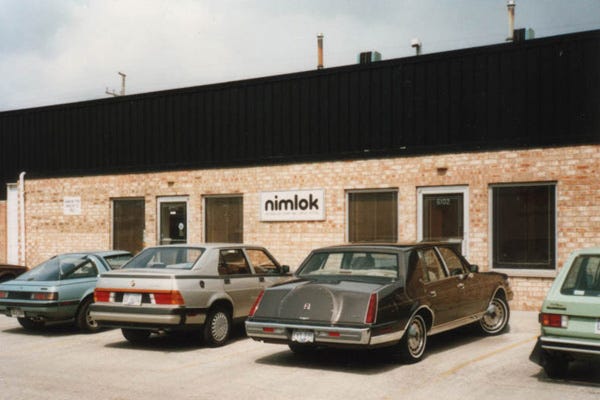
[208, 245]
[385, 246]
[100, 253]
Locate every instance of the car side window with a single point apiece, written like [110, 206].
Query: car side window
[87, 269]
[233, 262]
[262, 263]
[117, 261]
[453, 262]
[431, 265]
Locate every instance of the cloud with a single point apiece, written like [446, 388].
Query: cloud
[70, 50]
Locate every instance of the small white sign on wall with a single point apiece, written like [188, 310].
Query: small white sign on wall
[72, 205]
[293, 205]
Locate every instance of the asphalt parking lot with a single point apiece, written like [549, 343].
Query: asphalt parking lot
[61, 363]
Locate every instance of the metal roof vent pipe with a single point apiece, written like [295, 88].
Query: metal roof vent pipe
[320, 50]
[510, 5]
[417, 45]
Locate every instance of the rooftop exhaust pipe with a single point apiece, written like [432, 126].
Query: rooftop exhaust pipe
[416, 44]
[320, 50]
[510, 5]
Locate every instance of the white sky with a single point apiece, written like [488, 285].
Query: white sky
[61, 51]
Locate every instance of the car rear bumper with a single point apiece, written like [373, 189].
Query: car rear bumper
[574, 346]
[48, 311]
[146, 317]
[323, 335]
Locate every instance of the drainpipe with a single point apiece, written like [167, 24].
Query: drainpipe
[22, 215]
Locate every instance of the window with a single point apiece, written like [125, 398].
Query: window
[166, 257]
[224, 219]
[453, 262]
[262, 263]
[443, 215]
[431, 266]
[523, 226]
[373, 216]
[233, 262]
[128, 225]
[583, 278]
[172, 220]
[352, 264]
[87, 269]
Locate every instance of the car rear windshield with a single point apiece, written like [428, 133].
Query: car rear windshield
[351, 263]
[583, 278]
[57, 268]
[166, 257]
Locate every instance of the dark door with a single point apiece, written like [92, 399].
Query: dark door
[128, 225]
[443, 217]
[224, 219]
[173, 222]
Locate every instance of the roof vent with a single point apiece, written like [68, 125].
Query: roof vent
[367, 57]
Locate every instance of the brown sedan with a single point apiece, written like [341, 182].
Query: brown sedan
[368, 296]
[9, 272]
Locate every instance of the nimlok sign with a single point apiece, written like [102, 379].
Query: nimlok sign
[293, 205]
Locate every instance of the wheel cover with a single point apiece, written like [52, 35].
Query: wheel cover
[495, 316]
[91, 322]
[416, 338]
[219, 327]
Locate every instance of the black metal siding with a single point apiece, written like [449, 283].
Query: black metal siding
[544, 92]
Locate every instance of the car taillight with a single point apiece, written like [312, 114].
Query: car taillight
[44, 296]
[554, 320]
[170, 297]
[372, 309]
[256, 304]
[3, 295]
[101, 295]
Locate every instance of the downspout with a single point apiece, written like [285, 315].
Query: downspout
[22, 215]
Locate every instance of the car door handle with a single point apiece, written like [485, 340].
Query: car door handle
[460, 286]
[433, 293]
[261, 278]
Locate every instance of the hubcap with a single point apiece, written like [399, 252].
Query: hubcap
[494, 316]
[416, 338]
[219, 327]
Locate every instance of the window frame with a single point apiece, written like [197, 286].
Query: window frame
[173, 199]
[364, 191]
[522, 272]
[441, 190]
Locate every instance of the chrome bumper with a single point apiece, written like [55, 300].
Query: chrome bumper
[322, 334]
[169, 319]
[570, 345]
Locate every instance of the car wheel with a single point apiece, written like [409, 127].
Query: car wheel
[217, 327]
[135, 336]
[412, 345]
[31, 324]
[84, 320]
[556, 367]
[495, 319]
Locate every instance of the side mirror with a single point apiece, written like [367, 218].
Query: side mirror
[285, 269]
[474, 268]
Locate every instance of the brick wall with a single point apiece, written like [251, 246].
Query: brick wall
[574, 169]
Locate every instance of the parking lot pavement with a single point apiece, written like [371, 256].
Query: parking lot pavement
[61, 363]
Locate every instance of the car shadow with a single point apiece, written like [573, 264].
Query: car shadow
[580, 373]
[367, 362]
[177, 341]
[50, 330]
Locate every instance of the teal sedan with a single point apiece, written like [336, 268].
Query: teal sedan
[570, 316]
[59, 289]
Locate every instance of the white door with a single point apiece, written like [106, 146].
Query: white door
[12, 224]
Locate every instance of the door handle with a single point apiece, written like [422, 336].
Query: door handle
[227, 281]
[460, 286]
[261, 278]
[433, 293]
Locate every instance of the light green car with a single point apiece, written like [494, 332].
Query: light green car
[570, 317]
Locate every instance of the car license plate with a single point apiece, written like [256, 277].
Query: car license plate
[132, 299]
[303, 336]
[17, 312]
